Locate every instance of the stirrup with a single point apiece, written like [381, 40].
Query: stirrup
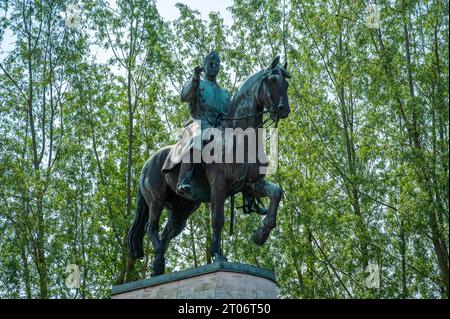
[184, 187]
[253, 205]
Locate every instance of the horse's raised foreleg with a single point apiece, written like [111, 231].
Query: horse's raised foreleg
[217, 215]
[267, 189]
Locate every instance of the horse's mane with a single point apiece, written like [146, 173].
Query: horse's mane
[246, 96]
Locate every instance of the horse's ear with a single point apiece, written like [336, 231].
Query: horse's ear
[285, 65]
[275, 62]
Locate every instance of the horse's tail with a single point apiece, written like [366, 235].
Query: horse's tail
[137, 230]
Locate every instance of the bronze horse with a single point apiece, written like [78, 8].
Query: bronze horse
[263, 92]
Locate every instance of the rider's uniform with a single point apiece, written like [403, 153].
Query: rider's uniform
[205, 106]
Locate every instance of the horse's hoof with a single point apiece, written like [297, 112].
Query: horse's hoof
[158, 266]
[259, 237]
[219, 258]
[157, 272]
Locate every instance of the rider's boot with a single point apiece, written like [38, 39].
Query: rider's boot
[184, 182]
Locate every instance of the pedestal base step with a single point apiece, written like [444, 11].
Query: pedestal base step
[221, 280]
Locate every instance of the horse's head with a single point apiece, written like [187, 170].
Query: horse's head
[273, 93]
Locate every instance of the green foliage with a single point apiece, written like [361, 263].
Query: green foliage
[363, 155]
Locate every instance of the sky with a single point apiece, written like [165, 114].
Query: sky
[166, 9]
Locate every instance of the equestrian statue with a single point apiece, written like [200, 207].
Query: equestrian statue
[179, 179]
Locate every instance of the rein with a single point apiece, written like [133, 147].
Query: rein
[245, 116]
[234, 118]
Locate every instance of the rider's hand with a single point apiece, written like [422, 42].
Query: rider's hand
[197, 71]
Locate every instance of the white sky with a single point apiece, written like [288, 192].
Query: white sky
[166, 9]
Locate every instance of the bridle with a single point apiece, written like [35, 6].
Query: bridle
[265, 110]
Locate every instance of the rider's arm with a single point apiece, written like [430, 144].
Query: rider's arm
[190, 94]
[189, 90]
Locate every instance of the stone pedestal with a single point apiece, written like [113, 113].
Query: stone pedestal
[221, 280]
